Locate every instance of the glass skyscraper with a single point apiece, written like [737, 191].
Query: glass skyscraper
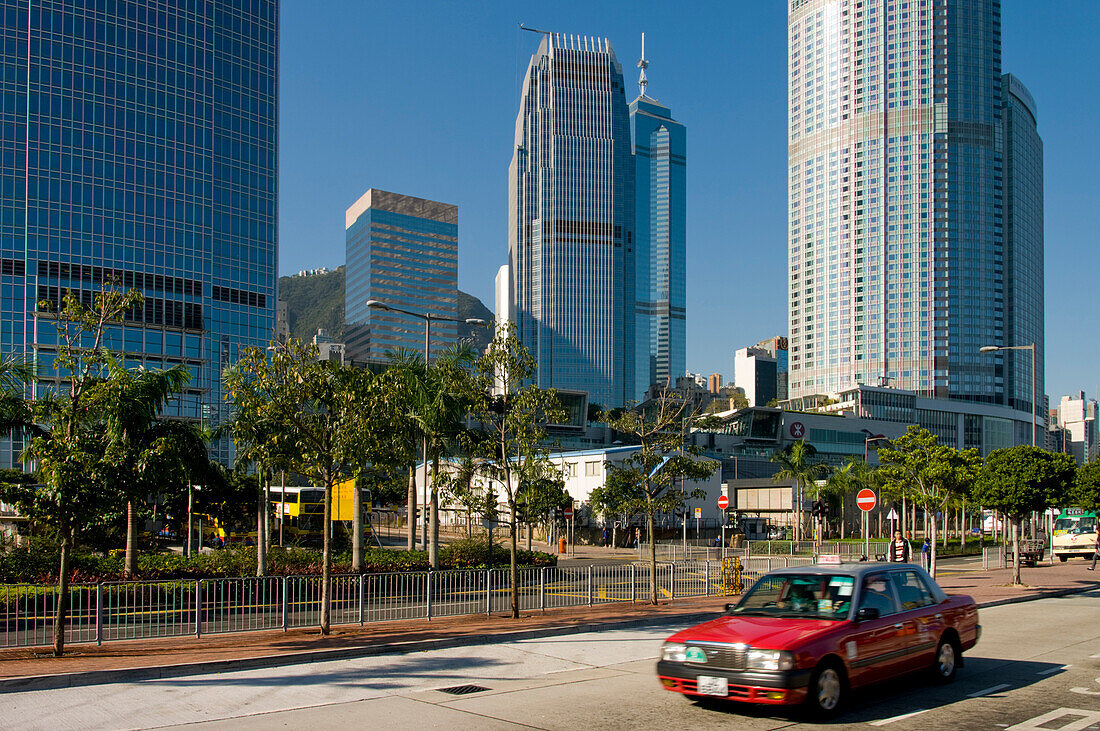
[402, 251]
[139, 145]
[660, 226]
[571, 239]
[899, 255]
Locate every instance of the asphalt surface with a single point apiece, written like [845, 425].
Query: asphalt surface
[1037, 667]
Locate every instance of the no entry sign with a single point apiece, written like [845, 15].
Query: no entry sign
[567, 513]
[723, 502]
[866, 500]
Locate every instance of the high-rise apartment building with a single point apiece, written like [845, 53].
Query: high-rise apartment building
[900, 260]
[660, 227]
[139, 145]
[755, 372]
[1078, 428]
[571, 239]
[403, 252]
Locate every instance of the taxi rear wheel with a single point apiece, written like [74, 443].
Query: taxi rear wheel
[946, 660]
[827, 690]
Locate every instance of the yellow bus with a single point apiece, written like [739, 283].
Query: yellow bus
[302, 511]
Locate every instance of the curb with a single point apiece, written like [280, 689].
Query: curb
[1054, 594]
[99, 677]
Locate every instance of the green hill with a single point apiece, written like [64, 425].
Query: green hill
[317, 301]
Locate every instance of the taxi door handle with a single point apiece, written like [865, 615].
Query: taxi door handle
[939, 616]
[899, 625]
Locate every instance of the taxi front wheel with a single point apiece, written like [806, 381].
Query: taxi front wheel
[946, 660]
[827, 690]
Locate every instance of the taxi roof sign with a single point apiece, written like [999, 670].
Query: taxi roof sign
[829, 559]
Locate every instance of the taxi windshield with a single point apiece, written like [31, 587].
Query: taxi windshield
[802, 596]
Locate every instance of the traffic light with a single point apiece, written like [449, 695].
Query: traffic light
[820, 509]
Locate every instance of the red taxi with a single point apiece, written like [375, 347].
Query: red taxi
[813, 633]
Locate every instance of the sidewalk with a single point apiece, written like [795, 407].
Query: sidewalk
[30, 669]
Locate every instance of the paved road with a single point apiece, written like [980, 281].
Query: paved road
[1038, 666]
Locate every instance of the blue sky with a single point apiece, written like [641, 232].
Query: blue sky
[421, 98]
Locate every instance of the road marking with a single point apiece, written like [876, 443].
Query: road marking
[1087, 718]
[987, 691]
[1048, 671]
[1096, 655]
[902, 717]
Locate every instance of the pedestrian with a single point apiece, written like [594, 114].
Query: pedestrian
[635, 536]
[899, 549]
[1095, 553]
[606, 538]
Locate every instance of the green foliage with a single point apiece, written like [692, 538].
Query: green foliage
[1085, 492]
[1020, 480]
[314, 301]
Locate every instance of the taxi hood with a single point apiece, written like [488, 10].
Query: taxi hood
[772, 633]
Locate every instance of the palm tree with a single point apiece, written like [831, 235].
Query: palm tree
[797, 464]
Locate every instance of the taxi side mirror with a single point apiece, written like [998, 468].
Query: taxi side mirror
[866, 613]
[730, 607]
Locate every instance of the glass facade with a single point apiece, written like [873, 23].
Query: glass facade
[898, 256]
[660, 225]
[139, 145]
[571, 220]
[402, 251]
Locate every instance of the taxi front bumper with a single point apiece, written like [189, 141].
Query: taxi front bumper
[748, 686]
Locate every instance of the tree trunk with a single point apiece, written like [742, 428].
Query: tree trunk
[614, 531]
[652, 557]
[843, 526]
[962, 524]
[62, 609]
[513, 568]
[528, 536]
[932, 550]
[129, 568]
[433, 528]
[356, 528]
[326, 557]
[1016, 549]
[261, 536]
[190, 516]
[411, 511]
[903, 524]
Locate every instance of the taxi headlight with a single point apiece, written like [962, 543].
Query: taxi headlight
[674, 652]
[769, 660]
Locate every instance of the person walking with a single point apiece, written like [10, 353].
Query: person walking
[899, 549]
[1095, 552]
[606, 538]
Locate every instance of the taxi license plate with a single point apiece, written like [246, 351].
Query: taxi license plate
[709, 685]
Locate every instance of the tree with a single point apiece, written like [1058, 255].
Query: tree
[797, 463]
[315, 411]
[1085, 492]
[615, 498]
[540, 491]
[68, 446]
[1021, 480]
[930, 474]
[509, 427]
[651, 476]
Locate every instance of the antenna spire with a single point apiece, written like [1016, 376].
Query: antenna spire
[643, 64]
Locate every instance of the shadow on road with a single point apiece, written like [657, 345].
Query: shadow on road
[910, 693]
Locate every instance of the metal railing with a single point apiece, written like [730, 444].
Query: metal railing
[112, 611]
[677, 551]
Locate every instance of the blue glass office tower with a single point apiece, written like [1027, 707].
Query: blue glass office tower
[571, 220]
[897, 246]
[139, 144]
[660, 226]
[402, 251]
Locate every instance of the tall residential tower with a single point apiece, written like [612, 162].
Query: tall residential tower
[139, 145]
[660, 225]
[571, 241]
[901, 262]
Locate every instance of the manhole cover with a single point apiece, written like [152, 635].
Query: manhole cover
[462, 689]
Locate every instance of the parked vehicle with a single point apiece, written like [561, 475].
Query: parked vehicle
[811, 634]
[1074, 534]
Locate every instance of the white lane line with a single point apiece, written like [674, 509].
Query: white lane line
[1095, 656]
[987, 691]
[902, 717]
[1048, 671]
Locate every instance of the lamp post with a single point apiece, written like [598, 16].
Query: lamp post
[994, 348]
[428, 318]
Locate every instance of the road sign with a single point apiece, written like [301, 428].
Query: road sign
[893, 515]
[698, 513]
[866, 500]
[568, 513]
[723, 502]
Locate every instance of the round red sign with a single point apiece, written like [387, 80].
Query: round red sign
[798, 430]
[567, 513]
[723, 502]
[866, 499]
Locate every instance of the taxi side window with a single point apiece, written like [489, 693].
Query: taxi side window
[913, 593]
[877, 594]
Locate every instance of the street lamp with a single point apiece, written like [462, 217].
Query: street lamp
[428, 318]
[995, 348]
